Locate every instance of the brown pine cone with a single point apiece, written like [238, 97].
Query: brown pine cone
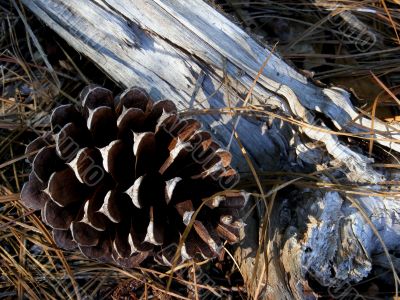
[121, 179]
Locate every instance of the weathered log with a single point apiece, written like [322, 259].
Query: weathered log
[190, 53]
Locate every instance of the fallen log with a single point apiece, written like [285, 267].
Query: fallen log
[190, 53]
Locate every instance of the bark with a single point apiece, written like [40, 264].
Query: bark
[190, 53]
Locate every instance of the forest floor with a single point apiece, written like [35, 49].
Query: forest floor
[351, 44]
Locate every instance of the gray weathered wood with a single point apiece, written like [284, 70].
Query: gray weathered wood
[190, 53]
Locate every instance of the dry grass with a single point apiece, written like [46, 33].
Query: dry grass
[37, 75]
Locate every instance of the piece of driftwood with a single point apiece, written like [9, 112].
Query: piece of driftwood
[190, 53]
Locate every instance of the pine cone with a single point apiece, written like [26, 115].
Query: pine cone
[121, 179]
